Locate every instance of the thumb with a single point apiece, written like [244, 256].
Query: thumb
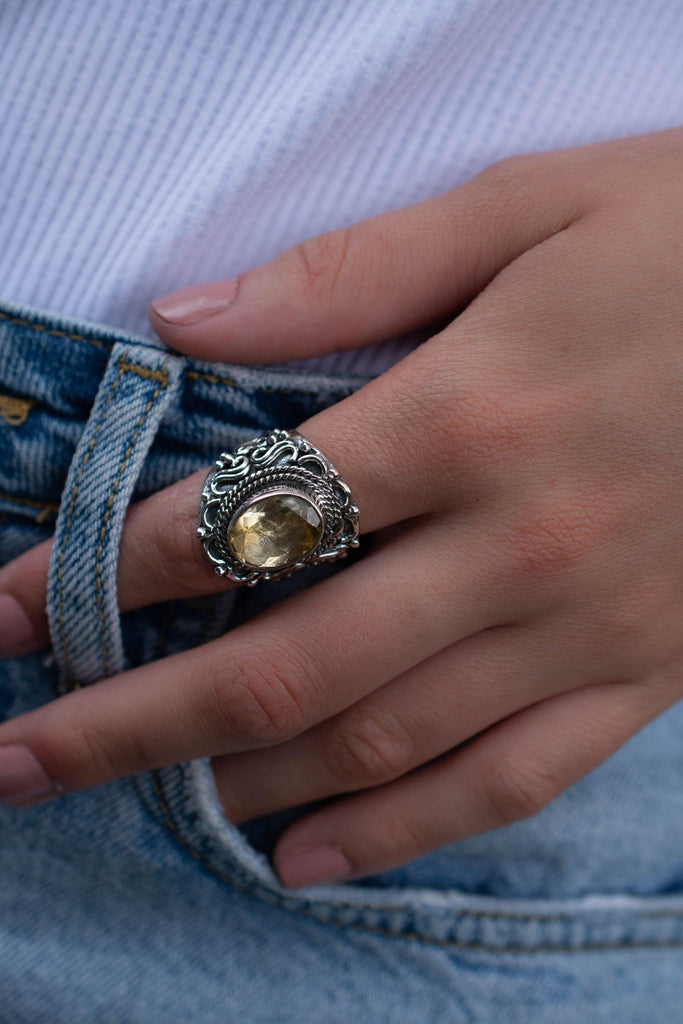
[380, 278]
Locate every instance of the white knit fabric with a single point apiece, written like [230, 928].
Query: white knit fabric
[150, 144]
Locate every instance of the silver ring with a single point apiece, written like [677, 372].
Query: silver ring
[273, 506]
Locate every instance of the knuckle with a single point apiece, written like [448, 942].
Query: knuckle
[486, 424]
[260, 697]
[481, 430]
[518, 173]
[554, 180]
[549, 540]
[514, 789]
[318, 263]
[80, 753]
[368, 748]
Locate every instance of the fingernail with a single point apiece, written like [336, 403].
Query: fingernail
[15, 625]
[312, 865]
[22, 777]
[199, 302]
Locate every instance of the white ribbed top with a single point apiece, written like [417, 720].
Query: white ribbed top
[146, 145]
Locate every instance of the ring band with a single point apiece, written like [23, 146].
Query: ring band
[274, 505]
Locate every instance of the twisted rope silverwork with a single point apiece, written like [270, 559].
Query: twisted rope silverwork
[280, 500]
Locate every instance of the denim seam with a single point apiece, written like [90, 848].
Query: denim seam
[274, 899]
[228, 382]
[145, 372]
[51, 330]
[123, 367]
[162, 377]
[69, 520]
[211, 378]
[44, 509]
[258, 892]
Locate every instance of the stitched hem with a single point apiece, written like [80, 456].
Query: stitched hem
[325, 912]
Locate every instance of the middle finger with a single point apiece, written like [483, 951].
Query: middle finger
[284, 671]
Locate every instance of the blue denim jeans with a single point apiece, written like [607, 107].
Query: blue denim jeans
[139, 902]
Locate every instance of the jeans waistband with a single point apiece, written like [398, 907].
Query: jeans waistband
[51, 368]
[59, 362]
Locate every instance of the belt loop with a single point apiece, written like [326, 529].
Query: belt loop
[82, 605]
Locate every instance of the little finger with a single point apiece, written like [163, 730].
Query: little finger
[509, 773]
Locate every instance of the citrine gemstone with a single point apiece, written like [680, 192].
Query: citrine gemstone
[275, 531]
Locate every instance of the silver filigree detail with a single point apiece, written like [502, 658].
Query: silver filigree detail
[282, 461]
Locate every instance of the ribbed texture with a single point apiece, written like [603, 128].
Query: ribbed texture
[150, 144]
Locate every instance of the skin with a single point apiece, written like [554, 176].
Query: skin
[522, 476]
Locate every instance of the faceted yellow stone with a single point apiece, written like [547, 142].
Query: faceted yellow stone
[276, 531]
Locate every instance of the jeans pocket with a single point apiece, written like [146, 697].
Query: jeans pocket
[186, 803]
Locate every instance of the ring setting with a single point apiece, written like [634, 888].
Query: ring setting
[273, 506]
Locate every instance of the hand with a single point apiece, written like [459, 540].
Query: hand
[522, 475]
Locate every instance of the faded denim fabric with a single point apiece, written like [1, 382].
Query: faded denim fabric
[139, 902]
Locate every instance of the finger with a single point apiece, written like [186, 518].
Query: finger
[275, 676]
[23, 586]
[509, 773]
[379, 278]
[389, 440]
[160, 558]
[425, 712]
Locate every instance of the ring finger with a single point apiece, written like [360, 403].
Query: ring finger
[160, 556]
[428, 710]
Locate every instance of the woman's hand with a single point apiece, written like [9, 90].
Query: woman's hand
[522, 475]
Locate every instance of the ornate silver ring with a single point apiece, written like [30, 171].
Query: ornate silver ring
[274, 505]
